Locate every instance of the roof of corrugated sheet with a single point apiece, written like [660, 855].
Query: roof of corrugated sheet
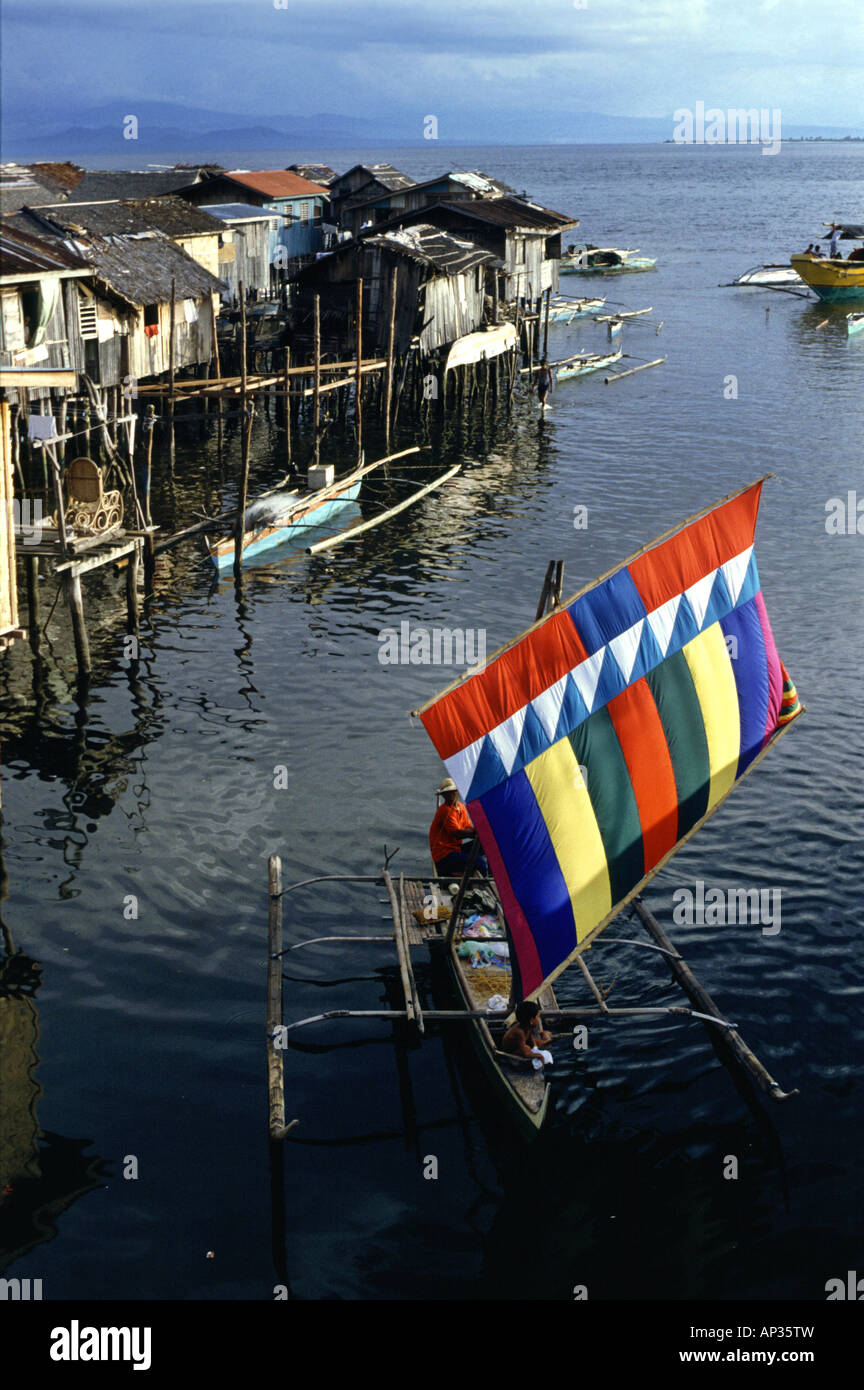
[430, 246]
[24, 254]
[383, 173]
[472, 180]
[126, 217]
[512, 212]
[100, 184]
[142, 268]
[276, 183]
[241, 212]
[139, 267]
[318, 173]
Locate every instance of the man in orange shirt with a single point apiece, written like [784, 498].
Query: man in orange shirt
[451, 827]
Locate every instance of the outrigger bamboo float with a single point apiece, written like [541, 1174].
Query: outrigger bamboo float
[588, 751]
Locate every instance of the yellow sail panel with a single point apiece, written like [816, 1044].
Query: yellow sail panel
[708, 659]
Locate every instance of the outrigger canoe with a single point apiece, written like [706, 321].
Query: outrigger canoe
[563, 310]
[831, 277]
[588, 750]
[603, 260]
[854, 323]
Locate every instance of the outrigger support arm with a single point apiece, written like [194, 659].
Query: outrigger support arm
[699, 996]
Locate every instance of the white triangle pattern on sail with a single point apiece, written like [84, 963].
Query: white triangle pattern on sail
[734, 571]
[699, 594]
[461, 765]
[547, 706]
[625, 648]
[662, 622]
[586, 675]
[507, 737]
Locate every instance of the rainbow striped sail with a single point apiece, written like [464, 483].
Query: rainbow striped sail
[593, 745]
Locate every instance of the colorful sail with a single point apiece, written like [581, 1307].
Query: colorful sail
[587, 750]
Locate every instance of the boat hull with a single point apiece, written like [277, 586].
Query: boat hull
[636, 264]
[528, 1118]
[588, 365]
[835, 282]
[854, 323]
[307, 514]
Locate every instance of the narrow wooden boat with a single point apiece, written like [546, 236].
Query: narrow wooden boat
[589, 362]
[565, 310]
[854, 323]
[295, 514]
[279, 517]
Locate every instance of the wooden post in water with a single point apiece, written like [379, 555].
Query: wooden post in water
[358, 380]
[244, 442]
[286, 379]
[72, 584]
[546, 326]
[316, 379]
[275, 1071]
[391, 339]
[132, 591]
[171, 376]
[31, 565]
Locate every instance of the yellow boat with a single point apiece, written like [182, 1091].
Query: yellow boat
[833, 278]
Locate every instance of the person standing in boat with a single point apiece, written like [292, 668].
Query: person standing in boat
[545, 383]
[525, 1038]
[451, 830]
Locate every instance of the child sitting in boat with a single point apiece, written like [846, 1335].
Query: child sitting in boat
[525, 1037]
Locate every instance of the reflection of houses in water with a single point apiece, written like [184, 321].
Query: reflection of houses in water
[41, 1174]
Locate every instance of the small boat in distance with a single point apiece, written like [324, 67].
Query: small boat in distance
[854, 323]
[564, 310]
[768, 275]
[603, 260]
[834, 279]
[580, 364]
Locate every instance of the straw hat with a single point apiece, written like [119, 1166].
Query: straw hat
[448, 785]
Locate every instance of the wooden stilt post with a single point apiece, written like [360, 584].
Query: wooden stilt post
[31, 565]
[316, 380]
[358, 379]
[171, 375]
[275, 1046]
[79, 627]
[244, 442]
[546, 326]
[391, 339]
[132, 591]
[286, 381]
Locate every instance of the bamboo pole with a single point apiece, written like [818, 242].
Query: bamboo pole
[618, 376]
[586, 588]
[391, 340]
[79, 627]
[171, 374]
[358, 379]
[31, 565]
[699, 995]
[546, 326]
[316, 388]
[244, 442]
[275, 1070]
[405, 974]
[351, 531]
[286, 374]
[132, 591]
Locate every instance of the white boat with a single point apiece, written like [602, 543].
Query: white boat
[475, 347]
[854, 323]
[769, 275]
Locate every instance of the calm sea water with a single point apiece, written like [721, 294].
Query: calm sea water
[156, 795]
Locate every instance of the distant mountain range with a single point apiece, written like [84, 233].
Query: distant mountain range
[197, 132]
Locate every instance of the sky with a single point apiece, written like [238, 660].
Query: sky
[461, 60]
